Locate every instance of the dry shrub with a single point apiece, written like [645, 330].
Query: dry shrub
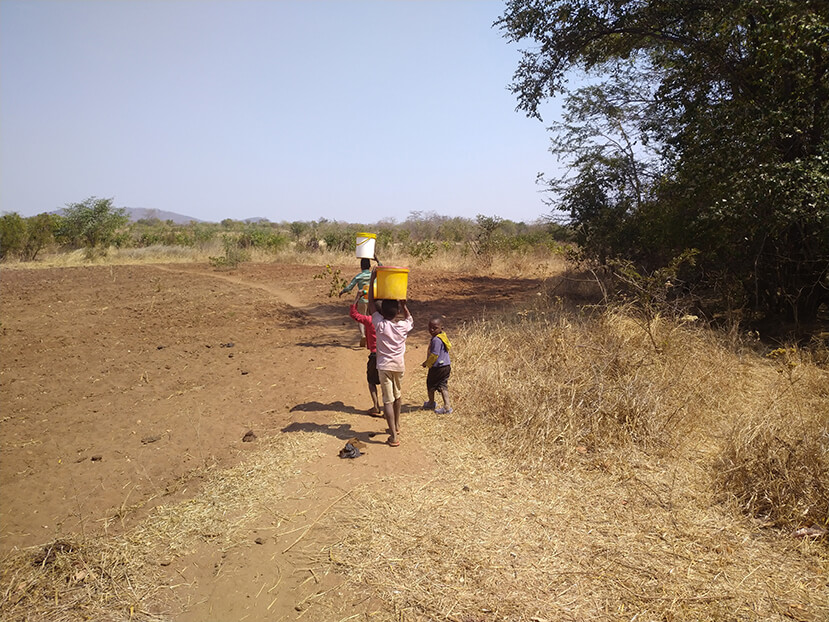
[550, 383]
[774, 462]
[577, 285]
[575, 483]
[546, 385]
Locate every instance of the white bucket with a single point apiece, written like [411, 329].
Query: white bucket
[365, 245]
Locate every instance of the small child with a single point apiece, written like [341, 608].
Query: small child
[391, 348]
[360, 280]
[437, 360]
[372, 376]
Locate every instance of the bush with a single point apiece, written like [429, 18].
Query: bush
[12, 234]
[265, 239]
[26, 237]
[774, 463]
[39, 234]
[422, 251]
[234, 254]
[340, 239]
[563, 383]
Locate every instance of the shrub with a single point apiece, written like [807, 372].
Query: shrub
[233, 254]
[12, 234]
[333, 279]
[545, 383]
[26, 237]
[39, 234]
[774, 463]
[422, 251]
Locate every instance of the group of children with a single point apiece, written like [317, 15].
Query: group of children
[384, 327]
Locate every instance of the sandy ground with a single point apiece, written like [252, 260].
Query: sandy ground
[122, 386]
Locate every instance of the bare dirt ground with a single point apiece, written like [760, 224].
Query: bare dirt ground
[124, 387]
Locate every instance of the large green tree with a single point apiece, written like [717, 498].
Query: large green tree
[703, 125]
[92, 223]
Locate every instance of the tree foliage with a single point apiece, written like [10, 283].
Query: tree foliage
[25, 237]
[702, 125]
[40, 232]
[91, 224]
[12, 234]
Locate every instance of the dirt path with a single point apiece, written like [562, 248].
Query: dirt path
[277, 577]
[125, 388]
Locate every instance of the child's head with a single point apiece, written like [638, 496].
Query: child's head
[435, 325]
[389, 309]
[365, 264]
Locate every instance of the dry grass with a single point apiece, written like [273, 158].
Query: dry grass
[557, 383]
[601, 539]
[536, 263]
[585, 476]
[582, 479]
[115, 256]
[774, 462]
[119, 576]
[540, 263]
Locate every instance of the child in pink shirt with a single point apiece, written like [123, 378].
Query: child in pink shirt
[391, 335]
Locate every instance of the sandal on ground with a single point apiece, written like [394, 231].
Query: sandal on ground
[392, 443]
[444, 411]
[429, 405]
[373, 412]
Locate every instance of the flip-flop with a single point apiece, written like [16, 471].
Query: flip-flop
[373, 413]
[393, 443]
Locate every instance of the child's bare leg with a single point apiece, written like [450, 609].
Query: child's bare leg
[396, 406]
[444, 393]
[372, 389]
[388, 410]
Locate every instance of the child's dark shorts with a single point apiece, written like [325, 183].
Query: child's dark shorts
[437, 378]
[372, 375]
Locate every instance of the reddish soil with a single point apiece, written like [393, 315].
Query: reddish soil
[121, 384]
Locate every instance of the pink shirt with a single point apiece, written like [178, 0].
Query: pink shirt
[391, 341]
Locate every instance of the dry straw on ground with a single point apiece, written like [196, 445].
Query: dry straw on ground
[119, 576]
[614, 542]
[577, 481]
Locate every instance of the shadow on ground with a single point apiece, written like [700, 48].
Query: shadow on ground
[342, 431]
[340, 407]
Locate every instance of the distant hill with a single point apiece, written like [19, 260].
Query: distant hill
[139, 213]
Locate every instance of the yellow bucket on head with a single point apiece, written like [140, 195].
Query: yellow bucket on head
[391, 283]
[365, 245]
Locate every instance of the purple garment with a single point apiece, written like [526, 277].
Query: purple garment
[436, 346]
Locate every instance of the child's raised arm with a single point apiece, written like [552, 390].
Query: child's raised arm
[371, 306]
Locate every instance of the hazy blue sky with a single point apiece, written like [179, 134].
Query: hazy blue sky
[288, 110]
